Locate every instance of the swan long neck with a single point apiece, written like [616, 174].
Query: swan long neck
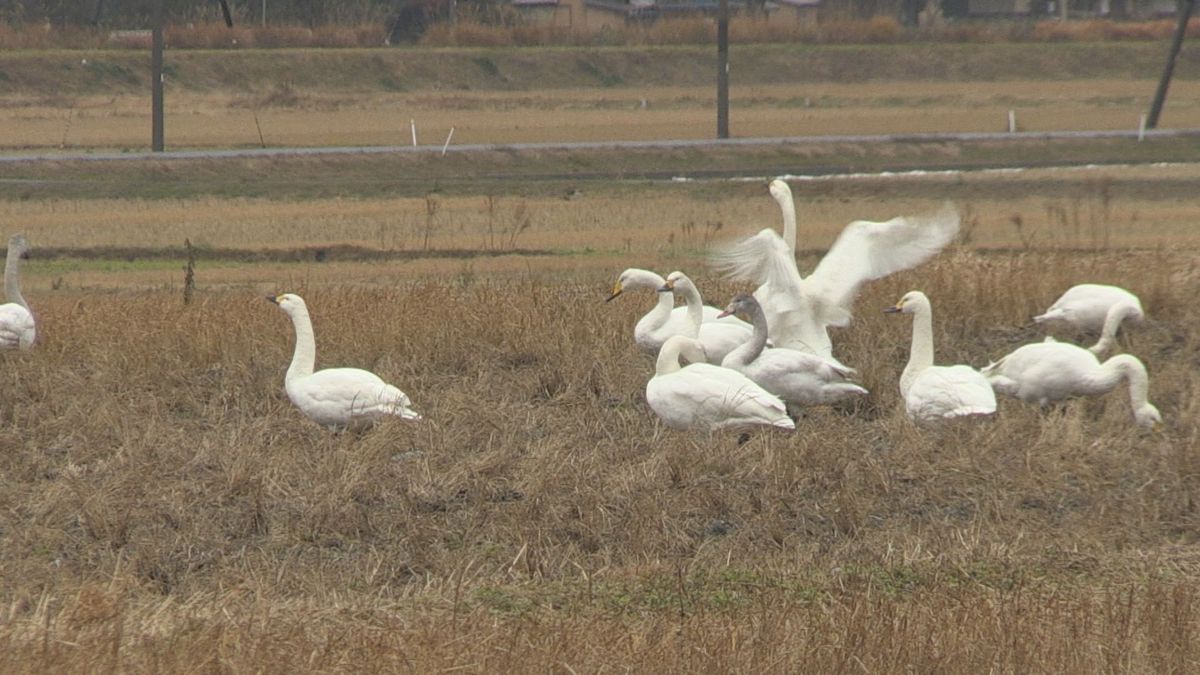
[668, 358]
[1112, 321]
[661, 313]
[920, 354]
[1124, 366]
[12, 277]
[787, 208]
[695, 306]
[305, 356]
[751, 349]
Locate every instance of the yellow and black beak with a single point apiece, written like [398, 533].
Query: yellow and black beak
[274, 298]
[617, 290]
[893, 309]
[668, 287]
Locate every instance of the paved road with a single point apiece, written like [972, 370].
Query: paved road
[605, 145]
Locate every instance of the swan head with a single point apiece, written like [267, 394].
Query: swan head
[675, 280]
[17, 243]
[912, 302]
[742, 304]
[635, 278]
[779, 189]
[288, 302]
[1148, 416]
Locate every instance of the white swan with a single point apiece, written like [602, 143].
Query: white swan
[1051, 371]
[1095, 307]
[794, 376]
[799, 310]
[717, 338]
[335, 397]
[665, 320]
[705, 396]
[936, 392]
[17, 328]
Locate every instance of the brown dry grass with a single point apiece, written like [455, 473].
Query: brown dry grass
[163, 507]
[299, 117]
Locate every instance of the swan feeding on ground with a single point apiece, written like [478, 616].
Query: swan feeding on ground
[937, 392]
[1051, 371]
[665, 320]
[717, 338]
[17, 327]
[800, 310]
[704, 396]
[1095, 307]
[335, 397]
[796, 377]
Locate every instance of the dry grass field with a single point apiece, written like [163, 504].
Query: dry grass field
[164, 508]
[295, 116]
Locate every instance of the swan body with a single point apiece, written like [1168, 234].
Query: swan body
[717, 338]
[665, 320]
[17, 327]
[796, 377]
[1095, 307]
[335, 397]
[937, 392]
[704, 396]
[1051, 371]
[800, 310]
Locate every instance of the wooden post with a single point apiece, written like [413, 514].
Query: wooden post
[1160, 96]
[723, 70]
[156, 80]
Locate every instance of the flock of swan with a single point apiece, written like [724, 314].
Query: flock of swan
[761, 372]
[767, 354]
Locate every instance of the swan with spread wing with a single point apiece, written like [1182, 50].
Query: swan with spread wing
[799, 310]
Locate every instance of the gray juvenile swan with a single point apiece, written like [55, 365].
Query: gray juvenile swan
[17, 327]
[335, 397]
[796, 377]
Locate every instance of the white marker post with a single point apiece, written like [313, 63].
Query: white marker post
[1012, 121]
[447, 143]
[1142, 128]
[412, 125]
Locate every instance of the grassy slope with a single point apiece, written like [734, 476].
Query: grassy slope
[58, 73]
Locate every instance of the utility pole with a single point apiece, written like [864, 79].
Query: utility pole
[723, 70]
[156, 80]
[1160, 96]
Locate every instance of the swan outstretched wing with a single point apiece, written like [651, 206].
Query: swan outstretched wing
[868, 250]
[766, 260]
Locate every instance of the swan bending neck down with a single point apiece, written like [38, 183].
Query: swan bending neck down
[704, 396]
[1091, 307]
[1051, 371]
[17, 327]
[796, 377]
[933, 392]
[334, 397]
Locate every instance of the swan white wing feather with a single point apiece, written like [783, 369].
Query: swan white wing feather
[949, 391]
[339, 396]
[1044, 372]
[17, 328]
[800, 377]
[867, 250]
[702, 395]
